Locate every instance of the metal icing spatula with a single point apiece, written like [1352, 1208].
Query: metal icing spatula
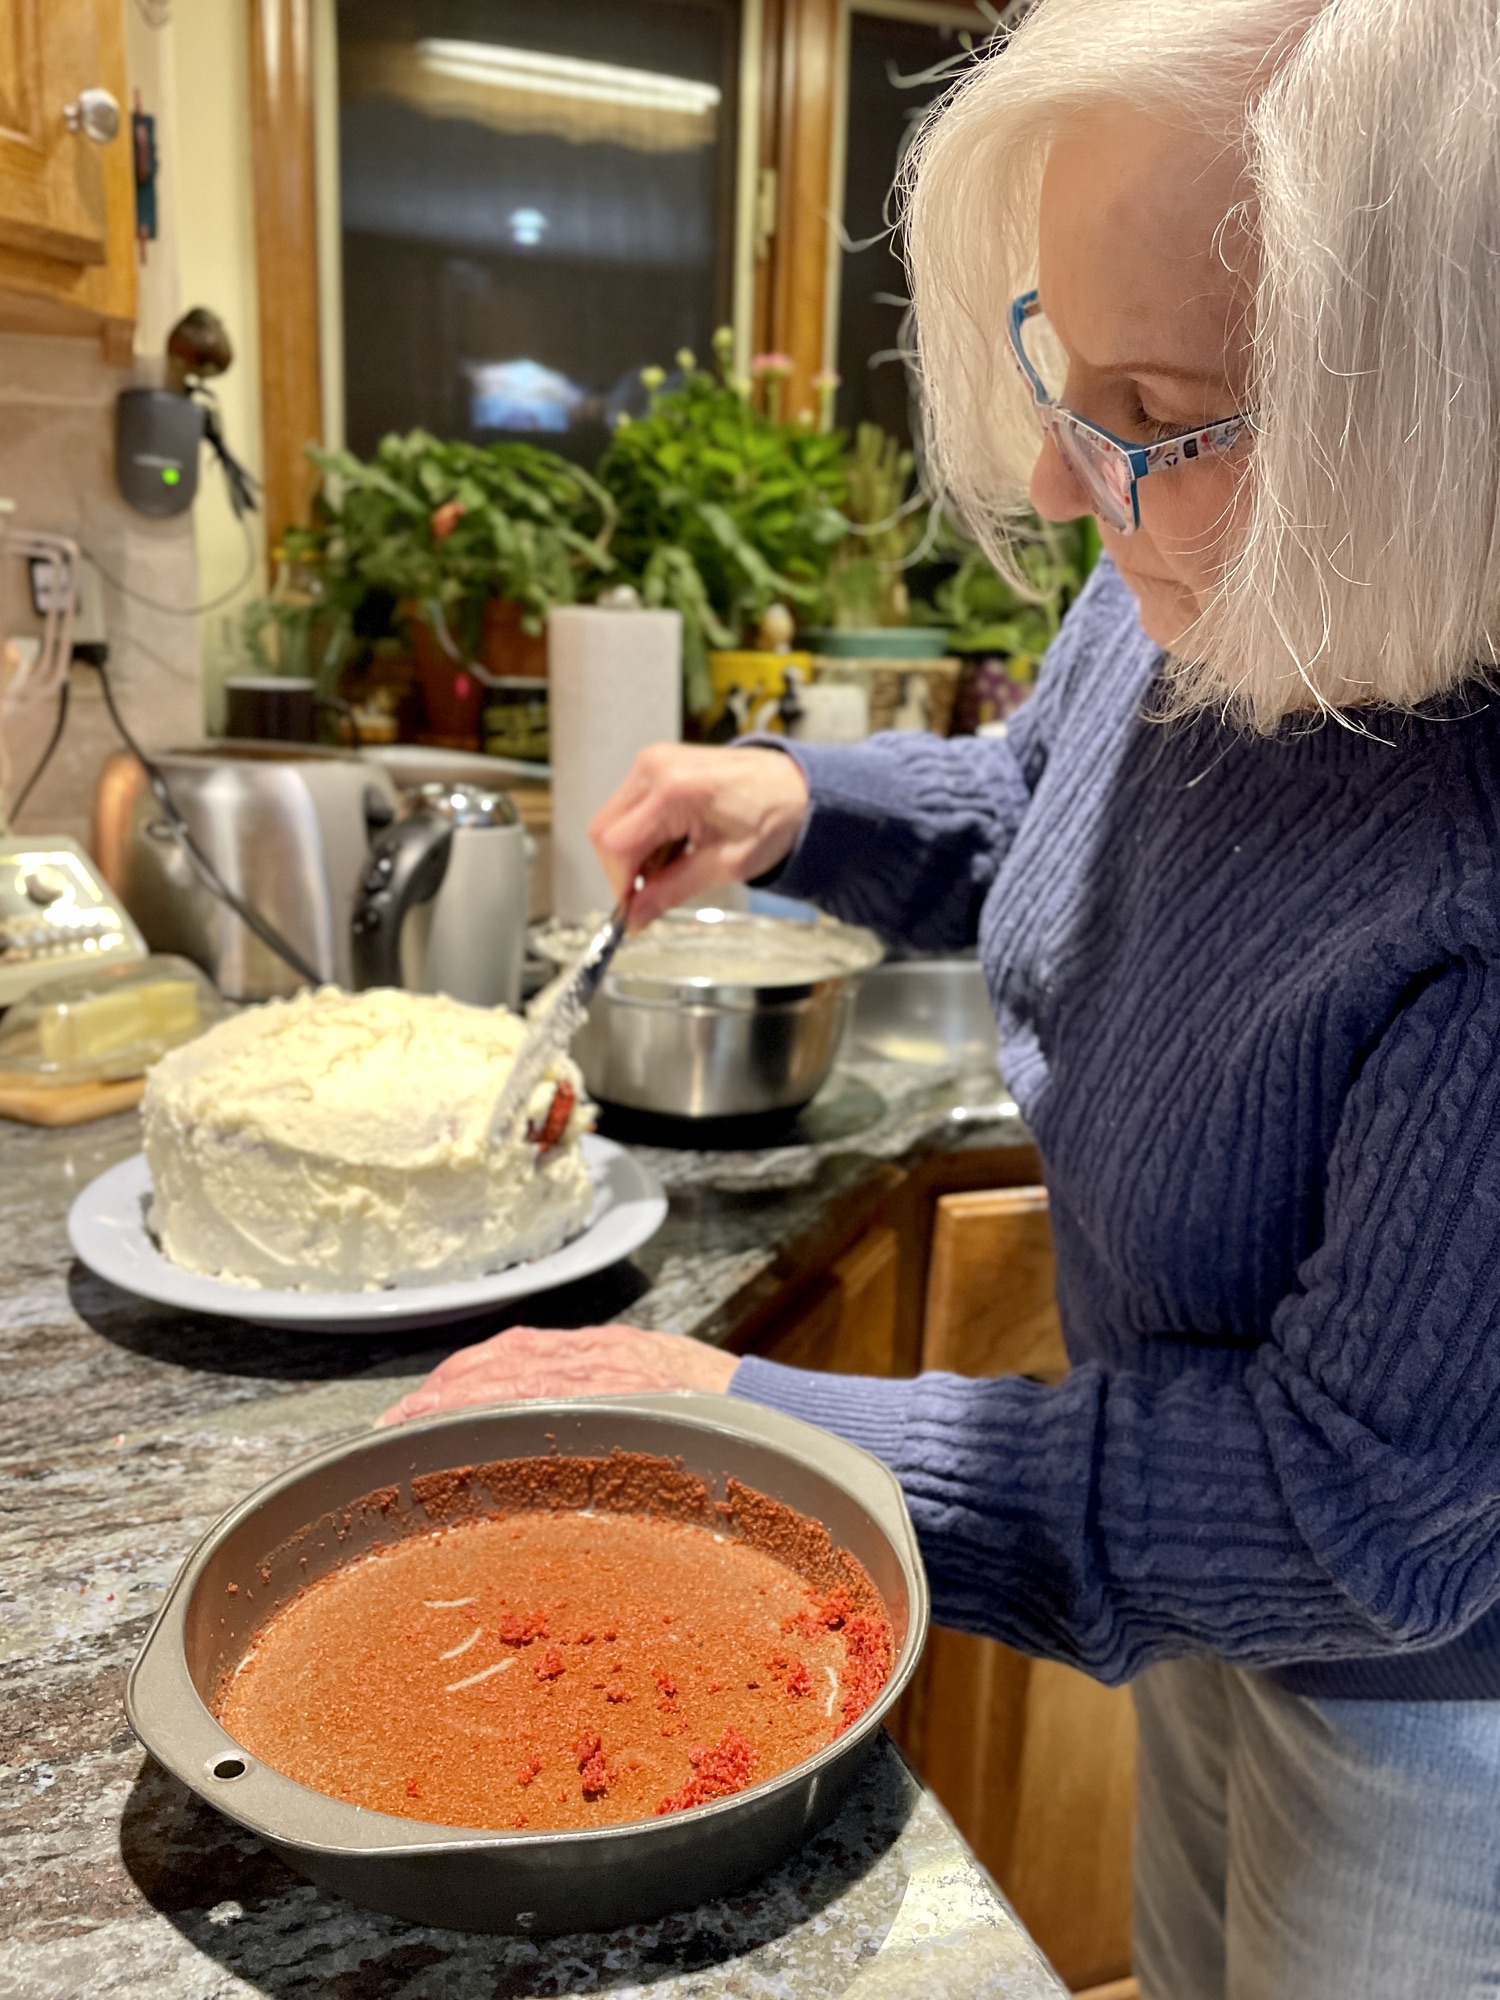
[556, 1014]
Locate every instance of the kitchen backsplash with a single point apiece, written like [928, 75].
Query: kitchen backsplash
[57, 464]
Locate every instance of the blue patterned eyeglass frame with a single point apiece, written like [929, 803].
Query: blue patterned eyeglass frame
[1109, 468]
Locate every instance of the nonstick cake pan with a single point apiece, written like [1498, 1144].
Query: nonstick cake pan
[303, 1524]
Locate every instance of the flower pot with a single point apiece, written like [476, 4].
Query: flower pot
[506, 650]
[451, 695]
[751, 691]
[903, 693]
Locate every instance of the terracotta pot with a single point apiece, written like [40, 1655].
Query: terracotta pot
[451, 696]
[505, 650]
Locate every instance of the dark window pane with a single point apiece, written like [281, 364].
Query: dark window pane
[890, 87]
[537, 202]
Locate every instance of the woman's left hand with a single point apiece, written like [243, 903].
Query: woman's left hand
[527, 1363]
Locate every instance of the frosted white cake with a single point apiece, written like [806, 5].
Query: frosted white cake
[338, 1142]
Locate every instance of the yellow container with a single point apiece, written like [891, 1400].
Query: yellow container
[748, 686]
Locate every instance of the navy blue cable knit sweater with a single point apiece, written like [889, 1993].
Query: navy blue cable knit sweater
[1249, 994]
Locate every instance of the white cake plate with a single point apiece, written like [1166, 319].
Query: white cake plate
[107, 1228]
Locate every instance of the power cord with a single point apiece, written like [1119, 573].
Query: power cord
[46, 757]
[184, 610]
[197, 860]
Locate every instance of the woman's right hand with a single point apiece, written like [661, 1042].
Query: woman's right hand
[740, 809]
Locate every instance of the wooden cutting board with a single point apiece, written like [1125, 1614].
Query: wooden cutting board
[33, 1103]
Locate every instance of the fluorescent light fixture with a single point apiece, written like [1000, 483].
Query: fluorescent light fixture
[566, 76]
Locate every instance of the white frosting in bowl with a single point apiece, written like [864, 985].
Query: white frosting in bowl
[339, 1142]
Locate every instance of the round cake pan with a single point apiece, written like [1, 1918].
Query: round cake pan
[305, 1523]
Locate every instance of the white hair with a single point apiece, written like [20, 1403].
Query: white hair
[1369, 569]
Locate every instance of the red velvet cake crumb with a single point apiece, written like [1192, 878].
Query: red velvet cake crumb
[399, 1681]
[717, 1772]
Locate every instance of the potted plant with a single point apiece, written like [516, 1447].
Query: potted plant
[466, 547]
[1000, 631]
[724, 510]
[868, 636]
[866, 589]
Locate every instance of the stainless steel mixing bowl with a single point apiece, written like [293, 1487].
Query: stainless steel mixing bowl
[927, 1010]
[259, 1555]
[699, 1047]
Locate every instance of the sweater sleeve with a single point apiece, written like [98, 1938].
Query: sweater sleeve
[906, 832]
[1339, 1498]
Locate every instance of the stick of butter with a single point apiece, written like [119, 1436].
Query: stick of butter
[161, 1010]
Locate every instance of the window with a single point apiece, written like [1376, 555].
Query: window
[892, 61]
[536, 202]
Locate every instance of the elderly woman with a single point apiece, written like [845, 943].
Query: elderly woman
[1225, 273]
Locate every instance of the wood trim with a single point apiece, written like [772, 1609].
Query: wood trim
[284, 162]
[804, 42]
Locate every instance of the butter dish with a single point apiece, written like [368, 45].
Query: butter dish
[106, 1023]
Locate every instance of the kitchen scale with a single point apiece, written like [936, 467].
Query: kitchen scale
[57, 915]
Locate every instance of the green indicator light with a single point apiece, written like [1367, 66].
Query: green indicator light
[170, 475]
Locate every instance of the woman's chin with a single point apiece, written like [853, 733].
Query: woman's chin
[1167, 610]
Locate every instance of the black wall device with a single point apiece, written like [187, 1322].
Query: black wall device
[157, 438]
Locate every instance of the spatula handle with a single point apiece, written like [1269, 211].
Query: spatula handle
[659, 859]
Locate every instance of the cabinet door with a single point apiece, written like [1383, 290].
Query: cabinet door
[1036, 1763]
[52, 190]
[847, 1324]
[991, 1287]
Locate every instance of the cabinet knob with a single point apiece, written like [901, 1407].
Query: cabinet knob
[94, 113]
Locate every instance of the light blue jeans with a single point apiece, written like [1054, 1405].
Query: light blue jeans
[1289, 1849]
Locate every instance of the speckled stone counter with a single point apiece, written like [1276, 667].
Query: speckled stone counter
[124, 1430]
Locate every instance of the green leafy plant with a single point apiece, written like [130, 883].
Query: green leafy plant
[442, 528]
[985, 613]
[866, 579]
[723, 509]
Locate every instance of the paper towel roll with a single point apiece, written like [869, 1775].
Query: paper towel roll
[616, 685]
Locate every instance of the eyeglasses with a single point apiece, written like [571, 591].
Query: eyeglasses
[1108, 468]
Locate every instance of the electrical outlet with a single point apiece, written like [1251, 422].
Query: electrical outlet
[44, 577]
[88, 596]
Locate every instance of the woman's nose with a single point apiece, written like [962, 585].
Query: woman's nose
[1056, 493]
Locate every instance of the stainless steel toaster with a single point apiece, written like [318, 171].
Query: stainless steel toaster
[287, 827]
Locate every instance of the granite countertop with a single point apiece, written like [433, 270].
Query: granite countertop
[126, 1428]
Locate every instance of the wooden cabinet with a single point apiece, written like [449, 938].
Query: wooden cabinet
[67, 200]
[846, 1323]
[1035, 1762]
[943, 1268]
[991, 1287]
